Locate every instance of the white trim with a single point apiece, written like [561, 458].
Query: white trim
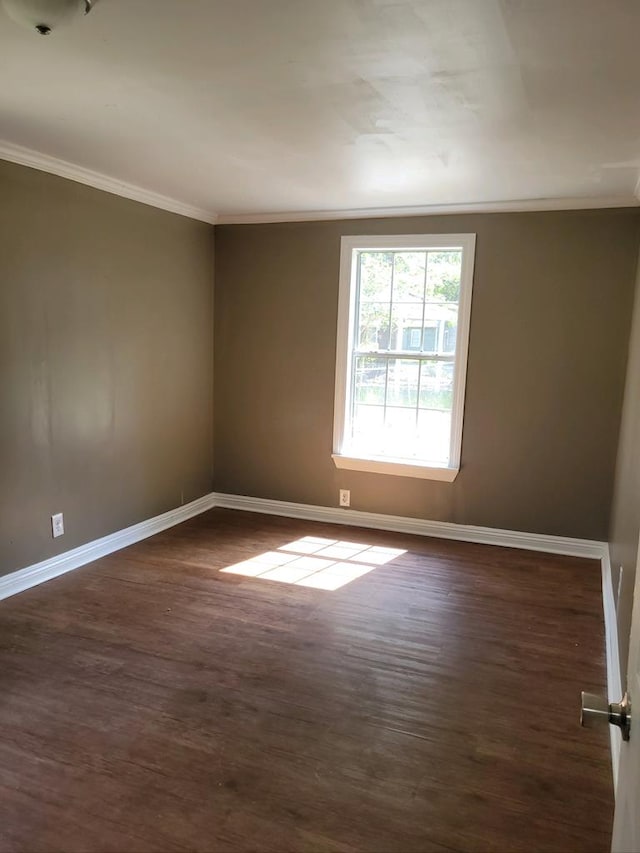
[46, 570]
[399, 468]
[345, 456]
[64, 169]
[614, 674]
[344, 341]
[588, 548]
[514, 206]
[462, 346]
[38, 573]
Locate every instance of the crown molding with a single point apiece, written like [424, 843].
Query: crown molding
[63, 169]
[517, 206]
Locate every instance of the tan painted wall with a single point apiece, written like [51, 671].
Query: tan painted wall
[625, 517]
[549, 329]
[105, 362]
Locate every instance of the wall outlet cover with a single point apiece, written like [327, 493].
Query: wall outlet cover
[57, 525]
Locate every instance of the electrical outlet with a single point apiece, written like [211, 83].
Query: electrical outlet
[57, 525]
[345, 497]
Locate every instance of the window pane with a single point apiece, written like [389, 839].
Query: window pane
[375, 276]
[434, 435]
[404, 316]
[437, 315]
[449, 337]
[402, 384]
[400, 432]
[408, 276]
[430, 338]
[443, 275]
[373, 326]
[367, 429]
[436, 385]
[412, 338]
[410, 330]
[369, 380]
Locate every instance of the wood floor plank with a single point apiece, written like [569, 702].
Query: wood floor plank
[153, 702]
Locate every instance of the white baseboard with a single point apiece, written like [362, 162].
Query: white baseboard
[23, 579]
[422, 527]
[614, 674]
[38, 573]
[46, 570]
[469, 533]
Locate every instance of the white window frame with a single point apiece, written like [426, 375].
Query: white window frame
[345, 341]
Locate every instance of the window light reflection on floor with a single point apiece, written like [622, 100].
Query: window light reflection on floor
[316, 562]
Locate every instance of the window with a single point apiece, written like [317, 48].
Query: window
[401, 360]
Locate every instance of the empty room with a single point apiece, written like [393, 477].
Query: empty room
[319, 426]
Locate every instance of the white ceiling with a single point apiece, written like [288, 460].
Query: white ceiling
[240, 108]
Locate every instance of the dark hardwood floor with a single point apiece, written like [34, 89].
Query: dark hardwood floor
[150, 701]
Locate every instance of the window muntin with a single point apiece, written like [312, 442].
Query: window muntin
[402, 342]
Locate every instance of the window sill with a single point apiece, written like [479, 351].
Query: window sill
[398, 468]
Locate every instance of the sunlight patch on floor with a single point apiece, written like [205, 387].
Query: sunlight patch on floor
[316, 562]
